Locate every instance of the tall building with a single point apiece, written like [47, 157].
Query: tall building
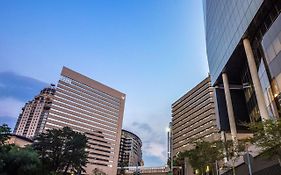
[130, 153]
[243, 40]
[32, 119]
[193, 117]
[90, 107]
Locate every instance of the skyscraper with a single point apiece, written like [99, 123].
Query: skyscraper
[90, 107]
[130, 150]
[243, 41]
[32, 119]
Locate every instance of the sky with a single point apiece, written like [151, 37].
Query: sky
[151, 50]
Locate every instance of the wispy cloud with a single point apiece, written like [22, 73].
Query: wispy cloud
[10, 107]
[19, 87]
[153, 141]
[15, 91]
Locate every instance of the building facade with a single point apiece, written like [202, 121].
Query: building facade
[243, 47]
[130, 153]
[32, 119]
[193, 117]
[243, 40]
[90, 107]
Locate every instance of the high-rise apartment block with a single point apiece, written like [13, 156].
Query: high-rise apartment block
[130, 150]
[34, 114]
[193, 117]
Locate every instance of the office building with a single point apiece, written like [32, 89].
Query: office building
[32, 119]
[243, 41]
[130, 153]
[193, 117]
[90, 107]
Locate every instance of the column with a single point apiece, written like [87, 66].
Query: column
[229, 107]
[255, 79]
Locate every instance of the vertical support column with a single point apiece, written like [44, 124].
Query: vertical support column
[229, 107]
[223, 139]
[256, 80]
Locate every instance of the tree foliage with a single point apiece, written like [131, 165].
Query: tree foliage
[202, 155]
[61, 150]
[206, 154]
[267, 136]
[20, 161]
[4, 133]
[15, 160]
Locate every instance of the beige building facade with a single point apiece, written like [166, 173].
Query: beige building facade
[31, 120]
[193, 117]
[90, 107]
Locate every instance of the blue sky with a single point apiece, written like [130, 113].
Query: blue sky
[152, 50]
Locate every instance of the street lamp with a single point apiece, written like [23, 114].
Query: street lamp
[170, 146]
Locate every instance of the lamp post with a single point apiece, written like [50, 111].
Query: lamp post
[170, 146]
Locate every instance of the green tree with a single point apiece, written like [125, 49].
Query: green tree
[21, 161]
[61, 150]
[233, 151]
[15, 160]
[4, 136]
[4, 133]
[203, 155]
[267, 136]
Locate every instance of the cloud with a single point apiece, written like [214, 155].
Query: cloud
[156, 149]
[10, 107]
[143, 126]
[15, 91]
[154, 145]
[19, 87]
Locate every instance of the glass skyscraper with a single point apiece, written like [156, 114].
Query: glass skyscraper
[243, 47]
[243, 40]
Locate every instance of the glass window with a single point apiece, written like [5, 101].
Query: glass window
[276, 46]
[270, 53]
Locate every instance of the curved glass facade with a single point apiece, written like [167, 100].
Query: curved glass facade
[225, 23]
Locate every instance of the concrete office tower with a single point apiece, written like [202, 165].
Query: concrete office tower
[90, 107]
[33, 117]
[193, 117]
[130, 150]
[243, 41]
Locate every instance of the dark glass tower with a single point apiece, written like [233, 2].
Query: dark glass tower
[243, 47]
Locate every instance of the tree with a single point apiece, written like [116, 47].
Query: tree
[21, 161]
[4, 133]
[267, 136]
[4, 136]
[61, 150]
[15, 160]
[233, 150]
[203, 155]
